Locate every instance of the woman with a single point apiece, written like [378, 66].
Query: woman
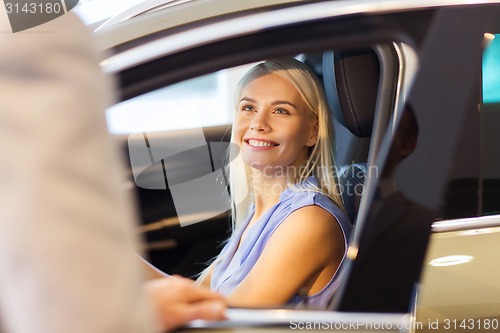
[290, 231]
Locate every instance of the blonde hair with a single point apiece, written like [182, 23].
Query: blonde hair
[320, 162]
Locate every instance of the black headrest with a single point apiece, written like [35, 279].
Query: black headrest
[351, 82]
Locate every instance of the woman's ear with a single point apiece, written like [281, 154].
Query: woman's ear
[313, 138]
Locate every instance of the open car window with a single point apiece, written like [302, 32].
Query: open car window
[177, 137]
[199, 102]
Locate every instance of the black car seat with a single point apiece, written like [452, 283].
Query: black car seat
[351, 81]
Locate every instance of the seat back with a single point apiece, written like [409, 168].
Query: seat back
[351, 81]
[351, 84]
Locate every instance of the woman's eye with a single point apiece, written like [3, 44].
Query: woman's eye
[247, 108]
[281, 111]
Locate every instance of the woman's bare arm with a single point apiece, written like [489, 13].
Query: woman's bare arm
[303, 253]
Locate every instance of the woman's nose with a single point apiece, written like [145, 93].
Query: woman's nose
[260, 123]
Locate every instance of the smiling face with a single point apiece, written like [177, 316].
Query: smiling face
[273, 125]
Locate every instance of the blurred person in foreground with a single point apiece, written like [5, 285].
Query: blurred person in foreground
[67, 242]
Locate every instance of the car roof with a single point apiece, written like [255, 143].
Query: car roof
[150, 6]
[197, 22]
[161, 15]
[145, 18]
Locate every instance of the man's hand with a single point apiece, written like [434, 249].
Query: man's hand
[177, 300]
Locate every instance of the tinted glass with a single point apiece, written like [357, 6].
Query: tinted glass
[473, 188]
[416, 161]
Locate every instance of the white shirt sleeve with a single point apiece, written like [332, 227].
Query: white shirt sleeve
[67, 240]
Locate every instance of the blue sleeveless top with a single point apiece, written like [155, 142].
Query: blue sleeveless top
[236, 264]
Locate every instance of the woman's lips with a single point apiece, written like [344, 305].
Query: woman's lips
[260, 144]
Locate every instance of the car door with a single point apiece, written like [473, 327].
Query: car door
[378, 280]
[459, 283]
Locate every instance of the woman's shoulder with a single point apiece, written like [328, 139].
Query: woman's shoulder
[308, 195]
